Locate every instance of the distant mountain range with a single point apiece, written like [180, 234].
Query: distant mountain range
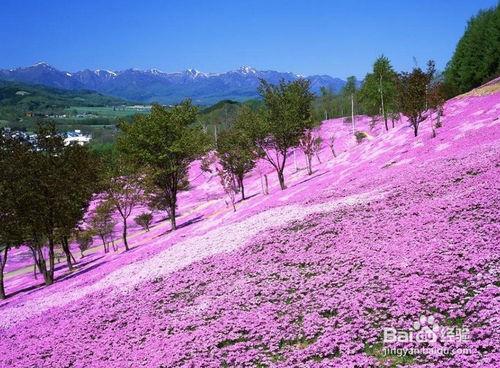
[156, 86]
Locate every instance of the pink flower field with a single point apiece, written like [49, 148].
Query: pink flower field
[393, 229]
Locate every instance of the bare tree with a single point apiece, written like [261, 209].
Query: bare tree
[310, 145]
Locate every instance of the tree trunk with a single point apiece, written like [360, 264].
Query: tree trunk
[67, 252]
[438, 121]
[333, 151]
[266, 184]
[173, 223]
[242, 187]
[281, 179]
[125, 242]
[50, 274]
[40, 262]
[106, 248]
[3, 261]
[309, 165]
[382, 104]
[415, 129]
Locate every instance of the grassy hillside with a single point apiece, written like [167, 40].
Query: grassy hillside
[18, 98]
[22, 105]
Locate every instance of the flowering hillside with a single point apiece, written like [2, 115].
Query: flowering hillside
[391, 234]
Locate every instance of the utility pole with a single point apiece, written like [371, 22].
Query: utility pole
[352, 113]
[382, 103]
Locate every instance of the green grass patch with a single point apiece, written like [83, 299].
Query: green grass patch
[387, 360]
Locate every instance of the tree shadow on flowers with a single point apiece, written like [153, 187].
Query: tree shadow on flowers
[183, 225]
[308, 179]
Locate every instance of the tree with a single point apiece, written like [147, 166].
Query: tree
[310, 145]
[82, 170]
[350, 88]
[378, 92]
[61, 182]
[84, 240]
[281, 124]
[476, 59]
[435, 101]
[349, 92]
[124, 192]
[413, 91]
[165, 141]
[331, 144]
[103, 224]
[236, 152]
[144, 220]
[228, 183]
[13, 186]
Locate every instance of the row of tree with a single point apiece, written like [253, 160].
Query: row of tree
[46, 189]
[44, 193]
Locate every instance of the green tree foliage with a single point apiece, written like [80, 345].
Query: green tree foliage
[53, 187]
[165, 142]
[350, 88]
[436, 97]
[236, 151]
[377, 95]
[281, 124]
[350, 95]
[84, 240]
[477, 56]
[310, 144]
[413, 93]
[64, 180]
[13, 186]
[103, 224]
[144, 220]
[124, 187]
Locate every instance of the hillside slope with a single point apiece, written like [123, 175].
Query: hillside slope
[392, 229]
[15, 93]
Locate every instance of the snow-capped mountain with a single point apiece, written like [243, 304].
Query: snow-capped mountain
[153, 85]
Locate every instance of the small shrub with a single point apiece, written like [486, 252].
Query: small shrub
[84, 240]
[144, 220]
[360, 136]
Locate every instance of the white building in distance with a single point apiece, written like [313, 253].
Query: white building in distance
[77, 137]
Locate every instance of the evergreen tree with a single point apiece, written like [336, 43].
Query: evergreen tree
[378, 92]
[477, 56]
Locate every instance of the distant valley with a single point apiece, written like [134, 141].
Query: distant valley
[154, 85]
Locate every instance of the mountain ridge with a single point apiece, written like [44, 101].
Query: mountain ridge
[154, 85]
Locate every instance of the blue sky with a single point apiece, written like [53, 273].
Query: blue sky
[339, 38]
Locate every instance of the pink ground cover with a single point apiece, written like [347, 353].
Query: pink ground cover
[393, 228]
